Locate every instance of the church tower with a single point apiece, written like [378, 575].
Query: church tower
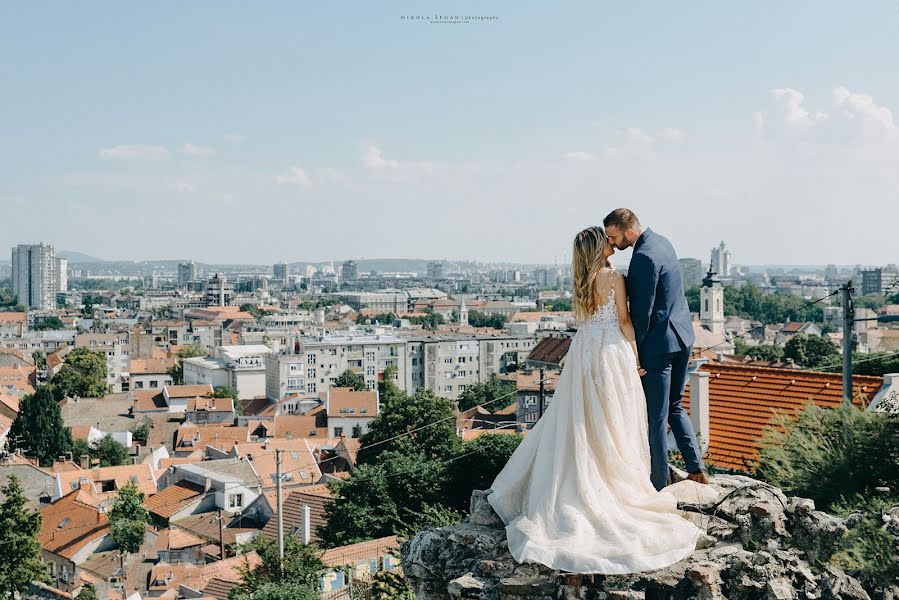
[463, 313]
[711, 303]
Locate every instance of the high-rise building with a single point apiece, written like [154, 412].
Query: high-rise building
[691, 272]
[62, 275]
[879, 281]
[722, 261]
[219, 291]
[187, 272]
[435, 270]
[281, 273]
[349, 271]
[34, 281]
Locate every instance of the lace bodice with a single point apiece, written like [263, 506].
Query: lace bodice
[606, 312]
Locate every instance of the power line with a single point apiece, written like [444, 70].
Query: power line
[789, 314]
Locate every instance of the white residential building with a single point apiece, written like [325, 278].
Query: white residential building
[34, 281]
[242, 367]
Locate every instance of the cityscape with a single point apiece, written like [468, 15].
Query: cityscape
[295, 301]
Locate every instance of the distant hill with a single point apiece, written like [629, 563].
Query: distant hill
[78, 257]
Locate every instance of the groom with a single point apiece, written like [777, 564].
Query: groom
[664, 331]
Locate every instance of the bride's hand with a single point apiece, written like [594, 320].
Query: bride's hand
[640, 370]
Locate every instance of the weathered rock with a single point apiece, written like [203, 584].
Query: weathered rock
[755, 543]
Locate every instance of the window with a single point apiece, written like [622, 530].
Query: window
[370, 370]
[235, 501]
[530, 418]
[138, 385]
[369, 356]
[462, 388]
[311, 387]
[294, 383]
[310, 359]
[310, 373]
[108, 485]
[462, 359]
[447, 361]
[447, 388]
[154, 383]
[338, 431]
[372, 384]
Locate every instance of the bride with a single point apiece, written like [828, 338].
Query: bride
[576, 494]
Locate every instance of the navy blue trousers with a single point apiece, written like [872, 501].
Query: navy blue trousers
[663, 384]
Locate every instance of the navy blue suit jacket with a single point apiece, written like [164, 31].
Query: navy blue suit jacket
[655, 292]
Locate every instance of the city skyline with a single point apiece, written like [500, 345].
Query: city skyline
[357, 133]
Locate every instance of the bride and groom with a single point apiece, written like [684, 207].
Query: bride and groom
[584, 491]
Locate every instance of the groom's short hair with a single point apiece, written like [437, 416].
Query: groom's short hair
[622, 218]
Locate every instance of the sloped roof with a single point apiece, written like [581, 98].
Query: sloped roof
[550, 350]
[67, 525]
[173, 498]
[743, 399]
[316, 497]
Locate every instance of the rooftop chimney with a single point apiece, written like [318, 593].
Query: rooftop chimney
[699, 406]
[307, 524]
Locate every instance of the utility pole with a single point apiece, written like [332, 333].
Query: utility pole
[848, 330]
[280, 508]
[542, 392]
[221, 534]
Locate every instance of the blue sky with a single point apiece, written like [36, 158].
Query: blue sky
[258, 132]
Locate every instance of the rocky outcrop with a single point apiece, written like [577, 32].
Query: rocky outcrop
[757, 543]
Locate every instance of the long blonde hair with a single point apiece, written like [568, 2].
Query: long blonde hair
[586, 261]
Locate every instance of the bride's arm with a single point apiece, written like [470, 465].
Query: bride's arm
[624, 317]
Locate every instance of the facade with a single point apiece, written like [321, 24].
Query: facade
[879, 281]
[116, 347]
[722, 260]
[187, 272]
[34, 280]
[350, 412]
[310, 365]
[62, 275]
[435, 270]
[711, 304]
[219, 291]
[281, 273]
[241, 367]
[691, 272]
[448, 364]
[349, 271]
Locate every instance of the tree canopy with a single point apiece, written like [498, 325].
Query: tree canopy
[20, 550]
[39, 429]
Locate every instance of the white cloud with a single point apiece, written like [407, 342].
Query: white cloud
[863, 108]
[134, 152]
[194, 150]
[295, 176]
[579, 156]
[374, 159]
[793, 111]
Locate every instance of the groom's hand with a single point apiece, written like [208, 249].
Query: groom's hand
[641, 371]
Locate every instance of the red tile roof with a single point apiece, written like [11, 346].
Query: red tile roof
[743, 399]
[173, 498]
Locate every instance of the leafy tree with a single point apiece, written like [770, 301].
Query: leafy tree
[40, 428]
[177, 372]
[300, 569]
[430, 417]
[40, 361]
[382, 318]
[558, 304]
[396, 496]
[80, 448]
[868, 552]
[275, 591]
[49, 324]
[349, 379]
[20, 550]
[872, 302]
[693, 297]
[7, 298]
[810, 350]
[487, 393]
[391, 585]
[141, 432]
[128, 518]
[827, 453]
[110, 452]
[83, 374]
[88, 592]
[225, 391]
[479, 319]
[479, 462]
[876, 363]
[765, 352]
[430, 320]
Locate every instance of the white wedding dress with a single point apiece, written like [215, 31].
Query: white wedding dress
[576, 494]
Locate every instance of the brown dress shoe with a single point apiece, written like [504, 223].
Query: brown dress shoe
[699, 477]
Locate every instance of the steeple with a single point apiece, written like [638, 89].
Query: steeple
[711, 303]
[463, 312]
